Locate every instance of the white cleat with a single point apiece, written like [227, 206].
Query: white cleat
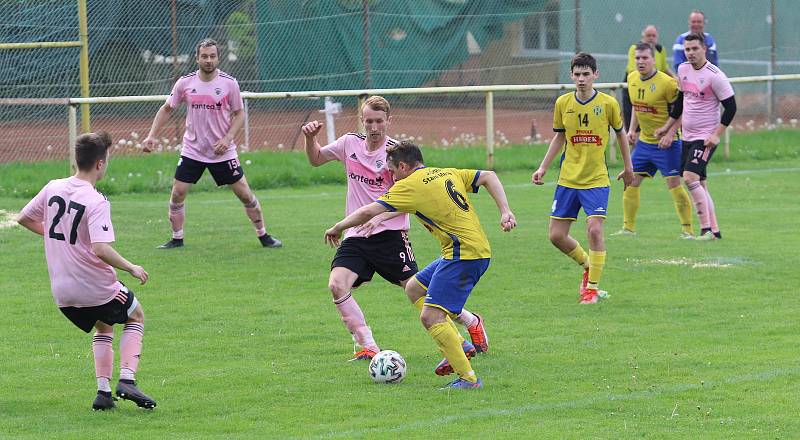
[625, 232]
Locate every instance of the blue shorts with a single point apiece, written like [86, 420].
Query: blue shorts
[647, 158]
[568, 201]
[449, 282]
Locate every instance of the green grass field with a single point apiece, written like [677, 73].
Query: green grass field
[698, 340]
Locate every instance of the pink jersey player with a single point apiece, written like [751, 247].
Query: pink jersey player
[367, 178]
[75, 221]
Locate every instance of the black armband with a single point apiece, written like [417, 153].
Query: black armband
[676, 108]
[730, 110]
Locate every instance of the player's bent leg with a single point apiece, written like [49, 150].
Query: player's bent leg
[683, 205]
[340, 283]
[433, 319]
[597, 259]
[177, 213]
[559, 235]
[712, 212]
[254, 212]
[130, 347]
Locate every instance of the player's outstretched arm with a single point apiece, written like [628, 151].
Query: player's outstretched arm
[109, 255]
[367, 227]
[555, 146]
[162, 116]
[32, 225]
[495, 188]
[316, 156]
[359, 216]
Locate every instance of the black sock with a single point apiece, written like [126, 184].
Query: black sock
[704, 230]
[104, 393]
[128, 381]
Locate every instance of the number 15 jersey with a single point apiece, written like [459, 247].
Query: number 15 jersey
[586, 127]
[75, 215]
[437, 196]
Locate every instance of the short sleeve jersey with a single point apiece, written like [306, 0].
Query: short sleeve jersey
[703, 89]
[209, 105]
[75, 215]
[650, 99]
[586, 127]
[367, 177]
[438, 197]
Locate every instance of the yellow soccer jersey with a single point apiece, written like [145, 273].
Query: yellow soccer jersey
[437, 196]
[650, 99]
[585, 125]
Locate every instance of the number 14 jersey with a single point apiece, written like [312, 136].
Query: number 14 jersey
[586, 127]
[75, 215]
[437, 196]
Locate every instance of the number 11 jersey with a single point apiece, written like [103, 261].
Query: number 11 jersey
[586, 127]
[75, 215]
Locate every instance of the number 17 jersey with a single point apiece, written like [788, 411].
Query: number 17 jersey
[75, 215]
[586, 127]
[438, 197]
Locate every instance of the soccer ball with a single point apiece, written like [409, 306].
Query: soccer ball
[387, 367]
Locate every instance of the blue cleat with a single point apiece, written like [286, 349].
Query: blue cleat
[444, 368]
[463, 384]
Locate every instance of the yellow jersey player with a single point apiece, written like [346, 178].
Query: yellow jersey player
[652, 92]
[438, 198]
[581, 121]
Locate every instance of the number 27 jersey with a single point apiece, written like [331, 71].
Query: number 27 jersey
[586, 128]
[437, 196]
[75, 215]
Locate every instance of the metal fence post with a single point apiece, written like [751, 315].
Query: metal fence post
[490, 130]
[72, 117]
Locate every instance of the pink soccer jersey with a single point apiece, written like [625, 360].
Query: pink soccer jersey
[208, 114]
[368, 178]
[75, 215]
[703, 89]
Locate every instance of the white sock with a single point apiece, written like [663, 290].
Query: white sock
[467, 318]
[102, 384]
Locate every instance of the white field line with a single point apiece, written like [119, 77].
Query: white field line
[7, 219]
[265, 199]
[429, 424]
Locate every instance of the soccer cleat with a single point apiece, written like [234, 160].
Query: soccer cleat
[103, 401]
[478, 336]
[707, 236]
[718, 235]
[174, 243]
[686, 236]
[364, 355]
[126, 389]
[463, 384]
[270, 241]
[589, 296]
[625, 232]
[444, 368]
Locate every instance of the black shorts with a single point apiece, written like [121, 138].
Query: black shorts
[224, 173]
[695, 157]
[388, 252]
[115, 311]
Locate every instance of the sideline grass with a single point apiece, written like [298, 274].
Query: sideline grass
[269, 169]
[698, 340]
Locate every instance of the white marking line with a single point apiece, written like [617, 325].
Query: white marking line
[718, 173]
[8, 219]
[683, 262]
[570, 404]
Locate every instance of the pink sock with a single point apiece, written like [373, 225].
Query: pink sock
[467, 318]
[353, 319]
[177, 215]
[700, 199]
[103, 349]
[130, 347]
[712, 212]
[253, 210]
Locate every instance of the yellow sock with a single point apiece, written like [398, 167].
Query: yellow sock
[579, 255]
[597, 259]
[630, 206]
[683, 206]
[421, 302]
[450, 346]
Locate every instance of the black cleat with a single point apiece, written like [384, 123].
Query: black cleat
[126, 389]
[718, 234]
[174, 243]
[103, 401]
[269, 241]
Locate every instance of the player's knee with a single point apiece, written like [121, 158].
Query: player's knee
[137, 315]
[595, 232]
[338, 288]
[178, 195]
[557, 237]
